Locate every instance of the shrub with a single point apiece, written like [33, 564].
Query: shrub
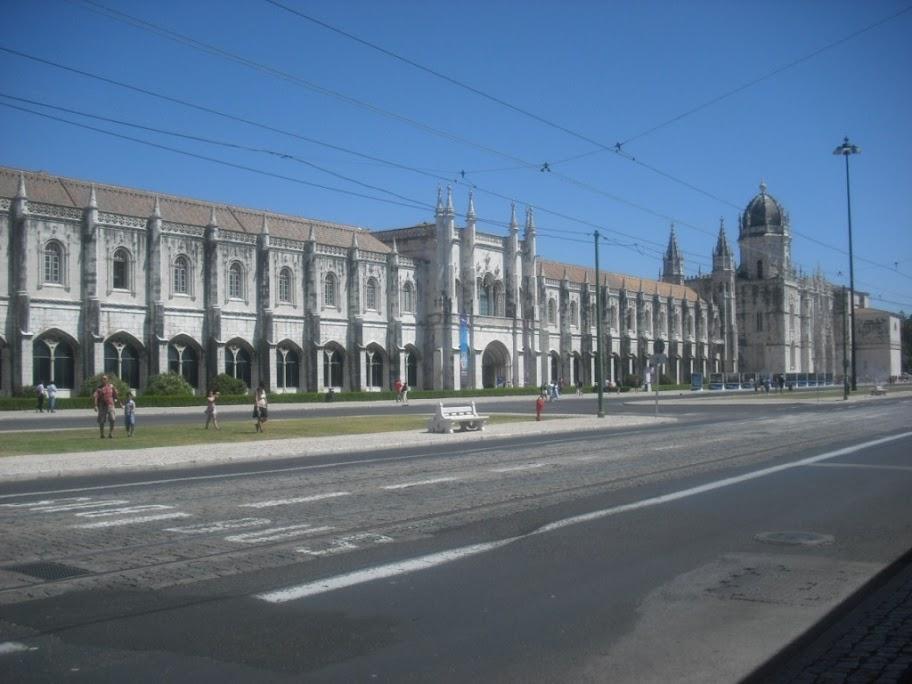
[90, 384]
[632, 380]
[26, 391]
[225, 384]
[168, 384]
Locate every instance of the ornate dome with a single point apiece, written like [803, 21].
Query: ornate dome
[764, 214]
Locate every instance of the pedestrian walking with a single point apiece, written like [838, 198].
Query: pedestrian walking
[103, 401]
[579, 388]
[405, 391]
[130, 414]
[260, 407]
[539, 406]
[51, 390]
[40, 394]
[398, 388]
[211, 410]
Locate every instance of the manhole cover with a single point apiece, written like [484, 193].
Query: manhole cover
[48, 571]
[795, 538]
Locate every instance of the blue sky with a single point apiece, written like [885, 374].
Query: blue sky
[606, 72]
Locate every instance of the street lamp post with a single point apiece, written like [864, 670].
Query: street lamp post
[845, 344]
[600, 358]
[847, 149]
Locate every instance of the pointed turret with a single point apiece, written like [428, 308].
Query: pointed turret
[530, 221]
[20, 191]
[354, 244]
[312, 236]
[449, 201]
[156, 208]
[673, 263]
[470, 212]
[439, 209]
[264, 229]
[93, 200]
[514, 225]
[213, 219]
[723, 258]
[20, 203]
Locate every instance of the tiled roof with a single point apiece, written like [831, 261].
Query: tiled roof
[616, 281]
[869, 311]
[67, 192]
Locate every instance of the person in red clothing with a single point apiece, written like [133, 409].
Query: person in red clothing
[539, 406]
[398, 387]
[104, 399]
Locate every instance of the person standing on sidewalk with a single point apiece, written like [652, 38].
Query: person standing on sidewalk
[211, 410]
[103, 401]
[398, 388]
[539, 406]
[51, 390]
[260, 407]
[130, 414]
[40, 394]
[405, 391]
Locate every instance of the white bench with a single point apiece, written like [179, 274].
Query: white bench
[447, 417]
[878, 391]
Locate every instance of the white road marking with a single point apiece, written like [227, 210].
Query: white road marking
[424, 562]
[349, 543]
[289, 502]
[862, 465]
[220, 526]
[122, 511]
[46, 502]
[131, 521]
[8, 647]
[406, 485]
[276, 533]
[380, 572]
[78, 506]
[513, 469]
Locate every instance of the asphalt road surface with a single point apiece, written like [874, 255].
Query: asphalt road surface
[691, 552]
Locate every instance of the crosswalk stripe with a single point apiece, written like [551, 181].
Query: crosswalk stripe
[300, 499]
[131, 521]
[276, 533]
[220, 526]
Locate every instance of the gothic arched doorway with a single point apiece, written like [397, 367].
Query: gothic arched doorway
[495, 363]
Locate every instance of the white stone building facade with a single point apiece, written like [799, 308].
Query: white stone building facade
[106, 278]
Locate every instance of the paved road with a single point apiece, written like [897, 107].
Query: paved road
[662, 553]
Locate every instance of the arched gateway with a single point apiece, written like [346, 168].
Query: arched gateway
[495, 365]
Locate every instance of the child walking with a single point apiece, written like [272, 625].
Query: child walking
[130, 414]
[211, 411]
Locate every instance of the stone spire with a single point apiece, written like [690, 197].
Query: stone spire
[449, 201]
[265, 227]
[213, 219]
[470, 212]
[530, 221]
[439, 209]
[156, 208]
[673, 263]
[723, 258]
[312, 237]
[93, 200]
[20, 203]
[20, 191]
[514, 226]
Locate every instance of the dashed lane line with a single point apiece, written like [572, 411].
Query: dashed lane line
[46, 502]
[276, 533]
[421, 483]
[297, 500]
[107, 513]
[866, 466]
[131, 521]
[8, 647]
[220, 526]
[66, 508]
[513, 469]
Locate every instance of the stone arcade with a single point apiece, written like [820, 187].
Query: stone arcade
[105, 278]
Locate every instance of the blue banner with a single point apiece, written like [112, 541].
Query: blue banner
[464, 349]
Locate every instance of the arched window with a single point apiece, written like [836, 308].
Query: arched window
[180, 275]
[374, 369]
[184, 361]
[53, 361]
[629, 319]
[120, 270]
[408, 298]
[332, 368]
[499, 302]
[760, 268]
[235, 281]
[122, 360]
[484, 299]
[552, 312]
[411, 369]
[285, 285]
[574, 313]
[237, 363]
[53, 263]
[329, 290]
[370, 294]
[287, 368]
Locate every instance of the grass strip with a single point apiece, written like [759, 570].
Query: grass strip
[66, 441]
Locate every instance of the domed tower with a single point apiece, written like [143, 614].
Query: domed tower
[765, 238]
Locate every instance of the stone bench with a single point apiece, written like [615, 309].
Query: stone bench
[878, 391]
[447, 417]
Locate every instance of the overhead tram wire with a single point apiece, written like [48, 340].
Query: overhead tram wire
[214, 50]
[617, 148]
[99, 8]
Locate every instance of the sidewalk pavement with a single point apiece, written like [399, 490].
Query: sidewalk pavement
[34, 466]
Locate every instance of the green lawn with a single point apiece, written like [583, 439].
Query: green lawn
[60, 441]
